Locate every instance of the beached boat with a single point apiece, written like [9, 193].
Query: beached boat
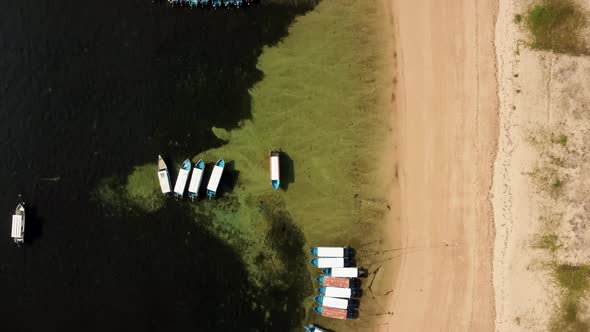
[335, 313]
[163, 176]
[215, 178]
[344, 272]
[313, 328]
[18, 224]
[338, 282]
[196, 178]
[203, 2]
[322, 262]
[331, 251]
[183, 173]
[337, 303]
[275, 174]
[344, 293]
[216, 3]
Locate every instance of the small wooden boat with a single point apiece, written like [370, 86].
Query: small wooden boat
[331, 251]
[322, 262]
[215, 178]
[345, 293]
[338, 282]
[163, 176]
[335, 313]
[196, 178]
[345, 272]
[18, 224]
[313, 328]
[333, 302]
[275, 174]
[183, 173]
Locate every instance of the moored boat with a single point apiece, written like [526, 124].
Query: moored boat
[322, 262]
[216, 3]
[313, 328]
[344, 293]
[196, 178]
[18, 224]
[331, 251]
[215, 178]
[163, 176]
[338, 282]
[275, 174]
[183, 173]
[345, 272]
[335, 313]
[337, 303]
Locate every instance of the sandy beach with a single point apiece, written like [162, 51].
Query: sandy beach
[446, 119]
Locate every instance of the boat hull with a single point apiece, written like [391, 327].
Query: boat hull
[182, 179]
[275, 173]
[344, 272]
[18, 224]
[337, 282]
[196, 179]
[323, 262]
[215, 178]
[335, 313]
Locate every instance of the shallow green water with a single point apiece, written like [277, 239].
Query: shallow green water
[320, 104]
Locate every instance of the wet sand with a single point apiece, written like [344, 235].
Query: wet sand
[446, 103]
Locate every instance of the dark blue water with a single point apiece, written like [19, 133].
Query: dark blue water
[89, 89]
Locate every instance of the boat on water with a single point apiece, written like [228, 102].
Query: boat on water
[338, 282]
[323, 262]
[183, 173]
[313, 328]
[196, 178]
[163, 176]
[18, 224]
[215, 178]
[344, 293]
[333, 302]
[331, 251]
[216, 3]
[335, 313]
[344, 272]
[275, 174]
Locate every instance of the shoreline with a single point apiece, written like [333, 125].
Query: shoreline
[446, 152]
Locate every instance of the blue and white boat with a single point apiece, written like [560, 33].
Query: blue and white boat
[323, 262]
[18, 224]
[344, 272]
[196, 178]
[343, 293]
[275, 174]
[337, 303]
[331, 251]
[215, 178]
[183, 173]
[216, 3]
[203, 2]
[313, 328]
[163, 176]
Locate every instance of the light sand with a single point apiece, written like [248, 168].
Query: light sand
[540, 93]
[446, 129]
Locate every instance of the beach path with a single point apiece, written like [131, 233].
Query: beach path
[446, 104]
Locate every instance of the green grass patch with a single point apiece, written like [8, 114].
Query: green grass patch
[549, 242]
[573, 278]
[556, 25]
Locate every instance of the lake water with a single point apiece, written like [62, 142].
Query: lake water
[88, 91]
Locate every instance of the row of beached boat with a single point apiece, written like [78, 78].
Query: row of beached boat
[212, 3]
[195, 182]
[339, 283]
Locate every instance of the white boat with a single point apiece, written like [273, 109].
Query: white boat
[330, 251]
[215, 178]
[18, 224]
[163, 176]
[344, 293]
[275, 174]
[196, 178]
[182, 178]
[344, 272]
[332, 302]
[323, 262]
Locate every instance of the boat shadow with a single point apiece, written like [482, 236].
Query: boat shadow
[287, 166]
[33, 225]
